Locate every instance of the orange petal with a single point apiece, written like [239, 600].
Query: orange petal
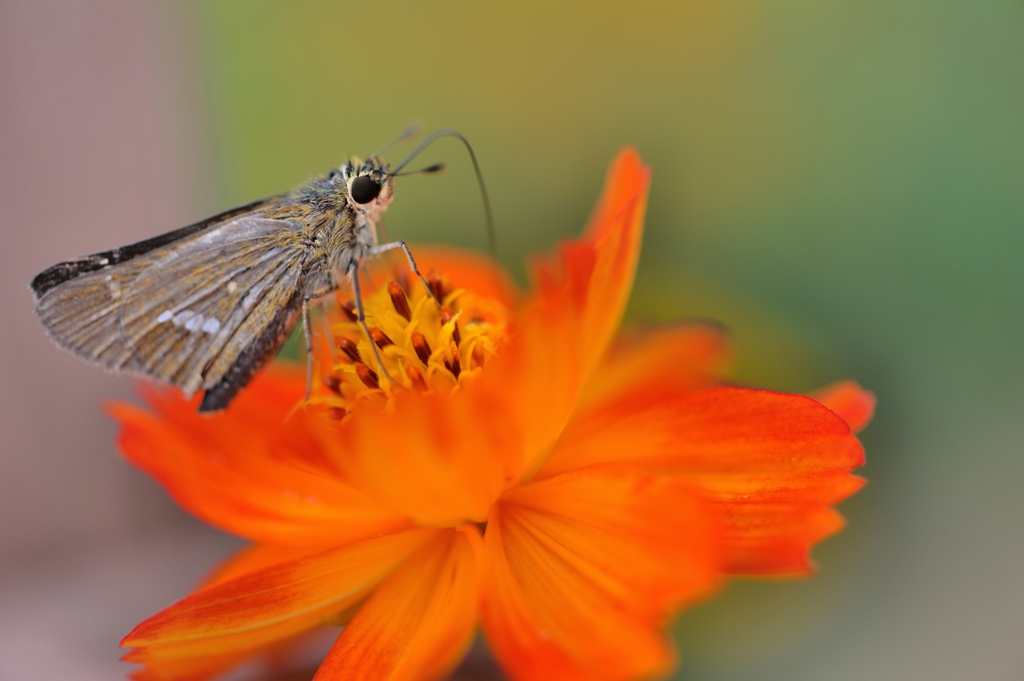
[597, 271]
[224, 623]
[441, 459]
[254, 558]
[649, 367]
[753, 450]
[846, 398]
[614, 234]
[223, 468]
[419, 623]
[566, 326]
[624, 176]
[774, 539]
[581, 570]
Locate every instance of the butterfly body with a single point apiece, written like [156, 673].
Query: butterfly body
[206, 306]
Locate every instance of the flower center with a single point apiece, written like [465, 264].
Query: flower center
[423, 347]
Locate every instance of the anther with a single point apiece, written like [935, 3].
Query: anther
[447, 316]
[416, 377]
[337, 413]
[380, 338]
[333, 383]
[349, 347]
[454, 366]
[349, 308]
[437, 287]
[402, 279]
[367, 375]
[399, 300]
[419, 344]
[478, 355]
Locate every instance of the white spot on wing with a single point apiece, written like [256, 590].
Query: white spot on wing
[181, 317]
[194, 322]
[232, 286]
[211, 325]
[164, 316]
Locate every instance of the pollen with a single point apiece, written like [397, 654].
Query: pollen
[422, 347]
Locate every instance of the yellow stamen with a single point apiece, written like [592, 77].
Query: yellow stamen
[423, 348]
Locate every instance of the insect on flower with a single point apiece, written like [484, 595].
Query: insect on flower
[206, 306]
[562, 487]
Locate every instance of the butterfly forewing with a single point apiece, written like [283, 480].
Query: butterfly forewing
[183, 313]
[206, 306]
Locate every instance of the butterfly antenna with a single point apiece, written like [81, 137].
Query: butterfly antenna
[492, 239]
[436, 168]
[411, 130]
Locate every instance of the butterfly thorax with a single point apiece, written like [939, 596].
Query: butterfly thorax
[337, 230]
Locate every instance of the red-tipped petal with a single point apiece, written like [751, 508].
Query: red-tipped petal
[846, 398]
[755, 451]
[226, 622]
[775, 539]
[419, 623]
[583, 569]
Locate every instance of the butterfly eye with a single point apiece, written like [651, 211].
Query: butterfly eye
[364, 189]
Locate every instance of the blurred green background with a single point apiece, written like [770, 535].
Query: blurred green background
[840, 183]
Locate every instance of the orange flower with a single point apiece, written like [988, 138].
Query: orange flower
[518, 471]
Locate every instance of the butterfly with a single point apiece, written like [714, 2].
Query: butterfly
[205, 307]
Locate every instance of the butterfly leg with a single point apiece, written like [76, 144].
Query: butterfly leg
[327, 332]
[353, 272]
[307, 331]
[390, 246]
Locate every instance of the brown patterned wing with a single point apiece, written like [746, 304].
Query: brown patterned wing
[186, 312]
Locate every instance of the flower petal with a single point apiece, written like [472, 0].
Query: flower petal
[226, 622]
[846, 398]
[581, 570]
[774, 461]
[655, 365]
[440, 459]
[253, 558]
[614, 235]
[625, 175]
[223, 467]
[566, 326]
[419, 623]
[775, 539]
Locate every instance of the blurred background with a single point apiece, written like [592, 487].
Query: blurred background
[840, 183]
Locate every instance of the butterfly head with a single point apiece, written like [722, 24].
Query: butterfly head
[368, 185]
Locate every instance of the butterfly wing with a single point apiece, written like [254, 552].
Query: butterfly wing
[186, 311]
[53, 276]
